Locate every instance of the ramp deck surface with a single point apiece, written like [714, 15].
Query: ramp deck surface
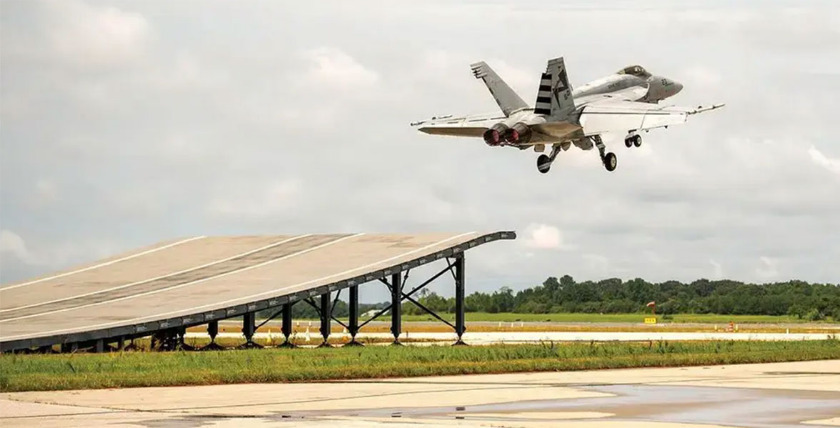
[195, 280]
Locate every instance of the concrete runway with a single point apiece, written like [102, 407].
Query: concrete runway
[799, 394]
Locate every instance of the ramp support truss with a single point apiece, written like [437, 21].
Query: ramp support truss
[455, 266]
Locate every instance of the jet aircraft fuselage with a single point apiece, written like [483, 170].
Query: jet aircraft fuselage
[562, 116]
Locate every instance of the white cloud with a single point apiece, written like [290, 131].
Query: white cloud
[90, 36]
[543, 236]
[832, 165]
[717, 269]
[45, 190]
[700, 76]
[598, 263]
[12, 244]
[163, 120]
[769, 268]
[273, 199]
[336, 69]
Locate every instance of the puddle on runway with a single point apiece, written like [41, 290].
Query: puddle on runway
[757, 408]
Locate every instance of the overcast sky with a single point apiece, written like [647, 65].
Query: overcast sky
[128, 123]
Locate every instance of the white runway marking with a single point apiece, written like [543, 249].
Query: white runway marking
[165, 289]
[289, 288]
[104, 264]
[157, 278]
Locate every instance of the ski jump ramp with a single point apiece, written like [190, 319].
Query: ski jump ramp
[199, 280]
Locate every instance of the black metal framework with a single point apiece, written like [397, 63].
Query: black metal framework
[171, 330]
[396, 286]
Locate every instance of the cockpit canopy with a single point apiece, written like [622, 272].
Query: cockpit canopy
[635, 70]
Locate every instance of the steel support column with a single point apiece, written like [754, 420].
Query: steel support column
[286, 325]
[100, 346]
[326, 317]
[396, 307]
[460, 326]
[182, 337]
[248, 329]
[212, 331]
[353, 326]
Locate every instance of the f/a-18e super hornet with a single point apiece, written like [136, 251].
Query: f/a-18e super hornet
[624, 102]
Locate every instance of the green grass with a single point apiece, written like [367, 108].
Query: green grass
[137, 369]
[622, 318]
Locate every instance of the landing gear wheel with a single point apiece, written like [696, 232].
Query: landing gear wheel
[637, 140]
[628, 142]
[543, 163]
[610, 161]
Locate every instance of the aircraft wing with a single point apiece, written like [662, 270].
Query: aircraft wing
[474, 126]
[464, 126]
[625, 116]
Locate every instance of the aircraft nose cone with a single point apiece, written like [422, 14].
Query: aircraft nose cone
[677, 87]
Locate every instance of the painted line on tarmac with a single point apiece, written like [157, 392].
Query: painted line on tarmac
[104, 264]
[165, 289]
[150, 279]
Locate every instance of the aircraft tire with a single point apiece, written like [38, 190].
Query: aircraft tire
[610, 161]
[543, 163]
[637, 140]
[628, 142]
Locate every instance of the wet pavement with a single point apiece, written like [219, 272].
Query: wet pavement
[755, 408]
[752, 395]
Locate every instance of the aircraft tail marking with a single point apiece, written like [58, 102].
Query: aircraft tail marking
[554, 97]
[505, 97]
[543, 104]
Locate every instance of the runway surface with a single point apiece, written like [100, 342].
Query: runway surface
[800, 394]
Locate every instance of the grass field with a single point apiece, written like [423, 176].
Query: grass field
[136, 369]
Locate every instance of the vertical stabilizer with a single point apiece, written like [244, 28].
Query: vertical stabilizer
[505, 97]
[554, 96]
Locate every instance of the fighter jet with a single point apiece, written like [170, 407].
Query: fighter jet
[624, 102]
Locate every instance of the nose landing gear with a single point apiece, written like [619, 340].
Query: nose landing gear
[544, 161]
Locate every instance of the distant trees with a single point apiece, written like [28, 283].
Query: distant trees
[796, 298]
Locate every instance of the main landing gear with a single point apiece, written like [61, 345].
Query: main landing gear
[633, 140]
[609, 159]
[544, 161]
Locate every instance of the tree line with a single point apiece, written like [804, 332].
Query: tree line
[812, 301]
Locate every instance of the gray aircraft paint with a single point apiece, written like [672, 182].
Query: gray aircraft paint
[624, 102]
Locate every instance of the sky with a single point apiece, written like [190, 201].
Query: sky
[129, 123]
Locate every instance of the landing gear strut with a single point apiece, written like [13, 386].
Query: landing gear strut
[609, 160]
[633, 140]
[544, 161]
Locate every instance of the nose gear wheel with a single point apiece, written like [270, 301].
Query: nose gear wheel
[544, 161]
